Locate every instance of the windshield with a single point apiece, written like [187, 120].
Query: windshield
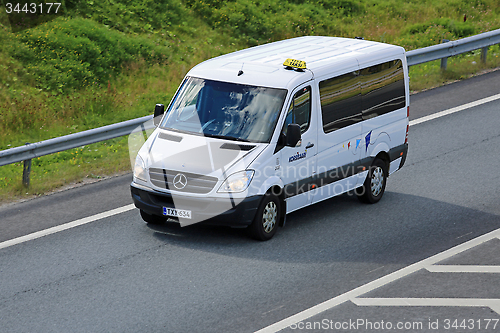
[226, 110]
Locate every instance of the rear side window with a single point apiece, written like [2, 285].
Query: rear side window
[382, 88]
[299, 111]
[361, 95]
[340, 101]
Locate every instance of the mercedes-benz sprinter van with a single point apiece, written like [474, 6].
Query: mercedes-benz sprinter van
[256, 134]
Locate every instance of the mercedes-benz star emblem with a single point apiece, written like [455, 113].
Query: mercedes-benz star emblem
[180, 181]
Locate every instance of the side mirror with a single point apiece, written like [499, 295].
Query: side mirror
[159, 111]
[293, 135]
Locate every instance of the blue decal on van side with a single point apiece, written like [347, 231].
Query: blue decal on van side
[367, 139]
[297, 156]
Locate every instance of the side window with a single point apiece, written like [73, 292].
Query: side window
[299, 111]
[382, 88]
[340, 101]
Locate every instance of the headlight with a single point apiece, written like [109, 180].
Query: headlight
[237, 182]
[139, 169]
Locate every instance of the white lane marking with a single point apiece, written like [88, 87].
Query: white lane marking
[122, 209]
[402, 272]
[376, 269]
[66, 226]
[463, 269]
[453, 110]
[493, 304]
[353, 294]
[131, 206]
[464, 235]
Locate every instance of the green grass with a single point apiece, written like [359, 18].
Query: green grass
[112, 60]
[72, 166]
[430, 74]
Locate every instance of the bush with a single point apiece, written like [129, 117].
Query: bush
[457, 29]
[130, 16]
[75, 53]
[261, 21]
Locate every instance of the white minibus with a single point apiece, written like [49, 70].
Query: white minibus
[256, 134]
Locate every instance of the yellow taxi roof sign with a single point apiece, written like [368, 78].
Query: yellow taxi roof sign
[294, 63]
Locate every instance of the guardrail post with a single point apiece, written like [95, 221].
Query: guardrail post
[26, 171]
[444, 61]
[484, 54]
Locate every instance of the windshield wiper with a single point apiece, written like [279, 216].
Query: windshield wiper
[236, 139]
[225, 137]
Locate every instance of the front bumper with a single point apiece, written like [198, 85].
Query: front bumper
[213, 211]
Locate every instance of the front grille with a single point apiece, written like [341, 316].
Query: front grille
[194, 183]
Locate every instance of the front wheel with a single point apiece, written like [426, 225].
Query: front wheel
[374, 186]
[266, 220]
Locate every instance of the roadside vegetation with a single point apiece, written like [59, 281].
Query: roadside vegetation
[111, 60]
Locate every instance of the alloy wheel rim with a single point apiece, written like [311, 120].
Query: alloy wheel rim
[269, 216]
[377, 181]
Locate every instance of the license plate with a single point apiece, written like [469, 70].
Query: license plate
[182, 213]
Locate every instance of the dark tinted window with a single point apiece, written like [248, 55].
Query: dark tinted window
[299, 111]
[382, 88]
[226, 110]
[340, 101]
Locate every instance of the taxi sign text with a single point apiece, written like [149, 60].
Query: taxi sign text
[295, 63]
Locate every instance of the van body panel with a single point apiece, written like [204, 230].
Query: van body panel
[379, 147]
[266, 172]
[270, 182]
[298, 164]
[280, 78]
[298, 201]
[382, 138]
[339, 148]
[336, 188]
[351, 103]
[204, 155]
[397, 118]
[394, 166]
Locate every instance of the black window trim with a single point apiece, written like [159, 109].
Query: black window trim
[294, 92]
[281, 139]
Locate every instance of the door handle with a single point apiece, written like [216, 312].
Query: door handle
[309, 145]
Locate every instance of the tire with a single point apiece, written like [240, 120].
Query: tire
[374, 186]
[151, 219]
[266, 220]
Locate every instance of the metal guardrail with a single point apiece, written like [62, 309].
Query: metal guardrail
[51, 146]
[449, 49]
[33, 150]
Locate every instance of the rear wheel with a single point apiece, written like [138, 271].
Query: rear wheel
[374, 186]
[151, 219]
[266, 220]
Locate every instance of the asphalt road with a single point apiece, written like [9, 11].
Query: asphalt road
[119, 275]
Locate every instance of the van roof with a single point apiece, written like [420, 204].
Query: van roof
[263, 65]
